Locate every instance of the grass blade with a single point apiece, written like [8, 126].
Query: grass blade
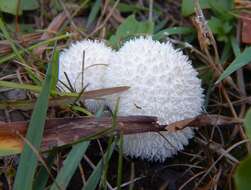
[28, 161]
[54, 78]
[70, 165]
[94, 179]
[235, 46]
[7, 36]
[21, 52]
[43, 175]
[241, 60]
[120, 163]
[94, 12]
[16, 52]
[14, 85]
[171, 31]
[109, 148]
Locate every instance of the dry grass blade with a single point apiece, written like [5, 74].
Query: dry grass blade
[24, 40]
[59, 132]
[63, 131]
[52, 29]
[218, 149]
[104, 92]
[219, 158]
[203, 120]
[62, 100]
[206, 40]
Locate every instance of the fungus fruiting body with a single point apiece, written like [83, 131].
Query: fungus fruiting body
[162, 83]
[84, 63]
[82, 66]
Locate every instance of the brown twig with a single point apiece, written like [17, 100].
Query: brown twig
[63, 131]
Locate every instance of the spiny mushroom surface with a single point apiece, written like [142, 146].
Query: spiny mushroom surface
[96, 58]
[162, 83]
[84, 63]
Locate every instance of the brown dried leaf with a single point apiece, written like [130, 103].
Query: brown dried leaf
[203, 120]
[64, 131]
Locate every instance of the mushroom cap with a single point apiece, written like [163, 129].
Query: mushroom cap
[162, 83]
[97, 57]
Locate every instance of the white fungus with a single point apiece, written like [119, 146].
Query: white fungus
[162, 83]
[96, 59]
[90, 70]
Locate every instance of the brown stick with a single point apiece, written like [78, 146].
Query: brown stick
[63, 131]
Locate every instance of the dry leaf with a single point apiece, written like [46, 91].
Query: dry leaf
[64, 131]
[203, 120]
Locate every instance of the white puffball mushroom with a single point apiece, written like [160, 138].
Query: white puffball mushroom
[162, 83]
[97, 57]
[86, 74]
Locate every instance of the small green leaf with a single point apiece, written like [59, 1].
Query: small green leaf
[11, 6]
[222, 8]
[187, 7]
[130, 28]
[215, 25]
[221, 28]
[241, 60]
[243, 175]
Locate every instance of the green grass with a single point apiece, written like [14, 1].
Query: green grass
[28, 161]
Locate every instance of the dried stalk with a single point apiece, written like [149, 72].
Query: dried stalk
[64, 131]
